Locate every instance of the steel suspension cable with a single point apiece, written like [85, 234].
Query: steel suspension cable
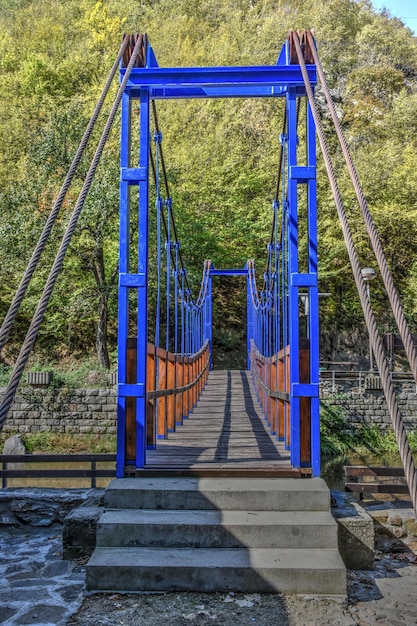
[43, 239]
[370, 226]
[376, 341]
[166, 184]
[275, 202]
[59, 259]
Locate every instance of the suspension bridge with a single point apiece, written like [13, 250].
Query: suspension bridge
[176, 417]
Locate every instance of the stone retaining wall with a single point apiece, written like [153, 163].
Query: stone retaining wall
[93, 411]
[77, 411]
[368, 405]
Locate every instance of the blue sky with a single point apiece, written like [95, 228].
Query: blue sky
[406, 10]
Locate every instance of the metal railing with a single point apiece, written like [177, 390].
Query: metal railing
[362, 379]
[93, 472]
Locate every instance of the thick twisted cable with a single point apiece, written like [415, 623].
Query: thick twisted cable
[370, 226]
[27, 346]
[43, 239]
[376, 341]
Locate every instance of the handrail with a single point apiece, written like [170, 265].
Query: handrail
[175, 390]
[174, 384]
[93, 473]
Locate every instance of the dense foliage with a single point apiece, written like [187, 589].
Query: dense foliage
[221, 155]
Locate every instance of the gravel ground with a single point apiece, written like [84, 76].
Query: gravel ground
[382, 597]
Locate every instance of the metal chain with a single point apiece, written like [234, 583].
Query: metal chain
[370, 226]
[27, 345]
[376, 341]
[43, 239]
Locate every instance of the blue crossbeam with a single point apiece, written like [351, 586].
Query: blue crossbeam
[229, 272]
[191, 82]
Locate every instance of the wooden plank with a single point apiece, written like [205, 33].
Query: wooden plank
[171, 399]
[246, 439]
[305, 410]
[161, 428]
[57, 458]
[361, 470]
[131, 368]
[56, 473]
[179, 397]
[219, 472]
[376, 488]
[287, 408]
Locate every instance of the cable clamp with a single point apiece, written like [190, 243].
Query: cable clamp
[275, 205]
[168, 203]
[157, 136]
[283, 138]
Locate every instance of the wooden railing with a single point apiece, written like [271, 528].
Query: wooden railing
[271, 377]
[174, 384]
[93, 472]
[361, 479]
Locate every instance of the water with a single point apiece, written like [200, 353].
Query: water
[332, 467]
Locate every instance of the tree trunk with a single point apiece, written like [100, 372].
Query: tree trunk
[103, 300]
[101, 333]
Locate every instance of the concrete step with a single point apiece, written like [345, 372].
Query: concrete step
[225, 529]
[313, 571]
[254, 494]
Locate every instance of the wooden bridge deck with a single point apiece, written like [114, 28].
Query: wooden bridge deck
[226, 433]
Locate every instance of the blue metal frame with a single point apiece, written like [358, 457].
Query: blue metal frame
[152, 82]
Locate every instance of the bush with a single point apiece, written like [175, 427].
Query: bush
[337, 437]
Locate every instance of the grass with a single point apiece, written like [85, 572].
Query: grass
[57, 443]
[338, 438]
[70, 374]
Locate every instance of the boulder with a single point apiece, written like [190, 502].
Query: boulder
[14, 445]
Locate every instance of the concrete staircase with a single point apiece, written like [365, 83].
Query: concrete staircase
[217, 534]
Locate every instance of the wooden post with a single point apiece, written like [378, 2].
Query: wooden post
[170, 403]
[186, 394]
[273, 401]
[150, 405]
[281, 387]
[287, 404]
[162, 384]
[305, 408]
[179, 397]
[131, 402]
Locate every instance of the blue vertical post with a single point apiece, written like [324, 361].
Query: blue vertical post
[123, 295]
[313, 294]
[291, 103]
[209, 317]
[142, 315]
[249, 318]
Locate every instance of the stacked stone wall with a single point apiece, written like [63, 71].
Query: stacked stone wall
[75, 411]
[368, 406]
[93, 411]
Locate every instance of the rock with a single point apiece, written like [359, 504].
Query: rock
[14, 445]
[79, 533]
[36, 513]
[395, 519]
[410, 526]
[6, 519]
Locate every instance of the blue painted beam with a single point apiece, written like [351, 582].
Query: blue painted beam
[229, 272]
[219, 78]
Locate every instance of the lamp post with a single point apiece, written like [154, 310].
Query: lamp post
[368, 274]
